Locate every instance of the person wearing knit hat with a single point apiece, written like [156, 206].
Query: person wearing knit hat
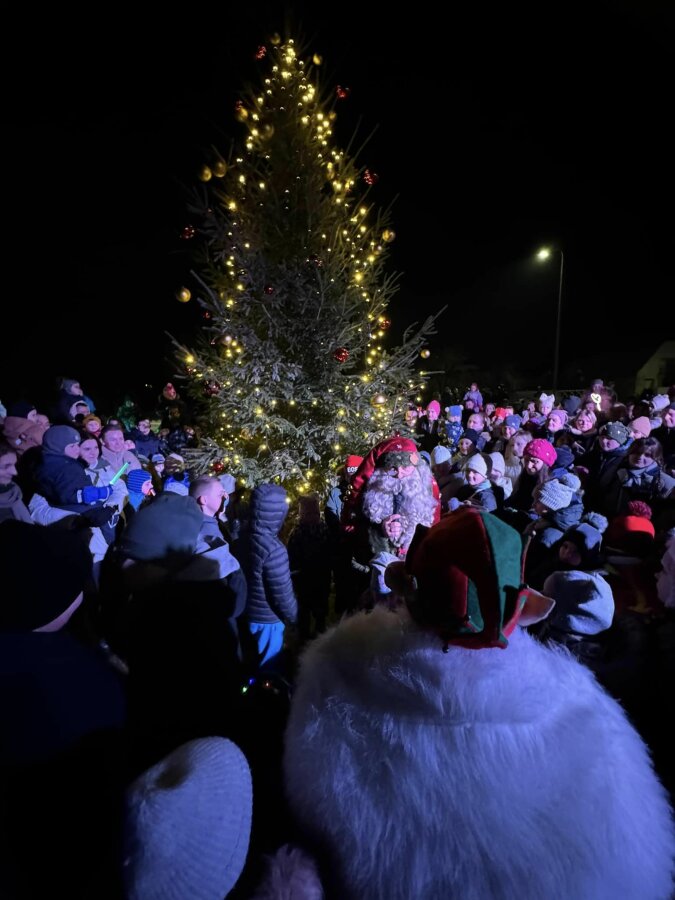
[538, 453]
[582, 544]
[188, 823]
[584, 606]
[557, 419]
[571, 405]
[91, 424]
[640, 428]
[139, 485]
[614, 435]
[555, 493]
[453, 426]
[429, 428]
[513, 421]
[477, 491]
[63, 481]
[558, 506]
[415, 682]
[564, 460]
[632, 534]
[502, 485]
[440, 454]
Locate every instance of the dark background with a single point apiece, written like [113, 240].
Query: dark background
[498, 130]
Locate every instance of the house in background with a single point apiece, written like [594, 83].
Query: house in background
[658, 373]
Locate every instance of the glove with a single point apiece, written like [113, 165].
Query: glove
[98, 516]
[93, 494]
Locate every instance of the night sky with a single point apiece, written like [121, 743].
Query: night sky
[497, 131]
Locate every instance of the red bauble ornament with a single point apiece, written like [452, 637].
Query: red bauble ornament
[261, 52]
[218, 467]
[318, 262]
[384, 323]
[188, 233]
[206, 314]
[342, 92]
[269, 290]
[341, 354]
[211, 388]
[370, 177]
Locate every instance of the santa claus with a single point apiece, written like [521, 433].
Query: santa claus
[391, 494]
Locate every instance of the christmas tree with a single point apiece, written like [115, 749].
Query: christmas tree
[292, 370]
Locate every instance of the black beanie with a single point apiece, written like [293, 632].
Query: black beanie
[166, 527]
[43, 571]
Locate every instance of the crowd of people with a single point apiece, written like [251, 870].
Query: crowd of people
[447, 677]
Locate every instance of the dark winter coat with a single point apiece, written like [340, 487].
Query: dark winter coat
[264, 559]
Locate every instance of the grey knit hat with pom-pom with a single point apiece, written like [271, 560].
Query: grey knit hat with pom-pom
[558, 493]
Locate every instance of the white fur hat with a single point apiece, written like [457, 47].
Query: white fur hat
[188, 824]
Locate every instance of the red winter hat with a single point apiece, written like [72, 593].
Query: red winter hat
[468, 580]
[541, 449]
[367, 467]
[623, 531]
[500, 412]
[352, 463]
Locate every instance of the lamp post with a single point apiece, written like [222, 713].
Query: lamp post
[542, 255]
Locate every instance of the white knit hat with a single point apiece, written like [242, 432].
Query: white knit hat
[477, 463]
[498, 464]
[440, 455]
[189, 823]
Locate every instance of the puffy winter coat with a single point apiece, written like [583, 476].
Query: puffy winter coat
[264, 559]
[502, 774]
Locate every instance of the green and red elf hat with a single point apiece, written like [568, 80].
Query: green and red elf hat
[467, 581]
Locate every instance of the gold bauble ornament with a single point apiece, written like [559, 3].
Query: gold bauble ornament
[425, 354]
[388, 235]
[219, 169]
[275, 40]
[379, 400]
[317, 59]
[183, 295]
[205, 174]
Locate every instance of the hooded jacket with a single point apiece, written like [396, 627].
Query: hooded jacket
[264, 559]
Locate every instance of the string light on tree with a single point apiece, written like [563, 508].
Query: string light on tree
[291, 217]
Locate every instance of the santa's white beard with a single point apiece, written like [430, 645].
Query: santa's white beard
[411, 497]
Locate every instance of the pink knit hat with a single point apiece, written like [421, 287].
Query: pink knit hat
[541, 449]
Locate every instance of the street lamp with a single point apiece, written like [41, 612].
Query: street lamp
[542, 255]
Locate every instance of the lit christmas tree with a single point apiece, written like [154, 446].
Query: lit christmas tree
[292, 372]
